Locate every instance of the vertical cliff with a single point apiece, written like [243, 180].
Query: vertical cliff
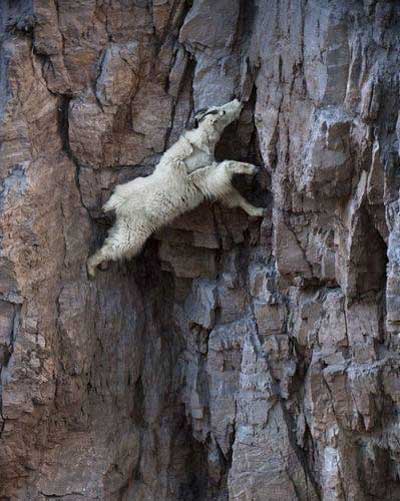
[234, 359]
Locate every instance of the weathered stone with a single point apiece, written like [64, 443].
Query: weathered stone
[328, 169]
[119, 75]
[200, 306]
[186, 261]
[209, 32]
[234, 358]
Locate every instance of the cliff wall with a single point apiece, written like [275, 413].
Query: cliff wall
[235, 358]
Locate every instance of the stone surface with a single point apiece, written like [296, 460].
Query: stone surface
[234, 358]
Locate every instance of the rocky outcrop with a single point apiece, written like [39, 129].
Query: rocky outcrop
[233, 359]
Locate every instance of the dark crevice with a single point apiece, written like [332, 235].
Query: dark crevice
[61, 496]
[63, 124]
[368, 257]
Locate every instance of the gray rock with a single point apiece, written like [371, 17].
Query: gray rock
[234, 358]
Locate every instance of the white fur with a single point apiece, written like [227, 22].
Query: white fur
[180, 182]
[196, 147]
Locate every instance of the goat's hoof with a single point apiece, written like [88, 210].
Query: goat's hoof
[258, 212]
[248, 169]
[91, 271]
[253, 169]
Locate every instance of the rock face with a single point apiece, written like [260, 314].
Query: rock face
[234, 359]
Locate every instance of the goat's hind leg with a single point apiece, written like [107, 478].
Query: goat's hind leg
[123, 241]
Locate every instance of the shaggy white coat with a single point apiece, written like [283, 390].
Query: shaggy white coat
[181, 181]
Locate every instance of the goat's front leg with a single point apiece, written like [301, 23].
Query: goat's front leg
[240, 167]
[234, 199]
[231, 167]
[214, 181]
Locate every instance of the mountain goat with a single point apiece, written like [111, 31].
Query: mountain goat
[186, 176]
